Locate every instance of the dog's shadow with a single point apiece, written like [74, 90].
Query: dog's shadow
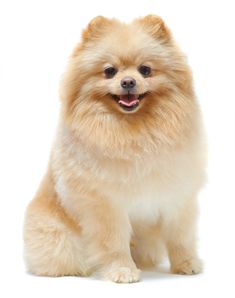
[162, 272]
[159, 273]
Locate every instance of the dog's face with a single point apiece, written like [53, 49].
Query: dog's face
[126, 71]
[126, 86]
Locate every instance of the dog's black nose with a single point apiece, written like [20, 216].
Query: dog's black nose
[128, 83]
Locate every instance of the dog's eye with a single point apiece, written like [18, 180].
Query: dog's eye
[145, 70]
[110, 72]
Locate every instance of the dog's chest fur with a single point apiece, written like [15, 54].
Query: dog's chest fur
[159, 193]
[147, 189]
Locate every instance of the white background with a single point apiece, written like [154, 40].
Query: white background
[36, 37]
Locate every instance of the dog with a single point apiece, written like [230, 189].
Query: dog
[127, 162]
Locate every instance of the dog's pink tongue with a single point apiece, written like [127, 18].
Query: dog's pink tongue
[128, 100]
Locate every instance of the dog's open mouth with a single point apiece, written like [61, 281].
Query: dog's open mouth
[128, 102]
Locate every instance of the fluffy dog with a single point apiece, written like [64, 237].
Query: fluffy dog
[127, 161]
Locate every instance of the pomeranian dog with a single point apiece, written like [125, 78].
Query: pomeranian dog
[127, 161]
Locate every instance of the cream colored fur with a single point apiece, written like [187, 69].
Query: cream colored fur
[121, 188]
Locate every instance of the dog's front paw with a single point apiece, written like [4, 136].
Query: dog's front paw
[123, 275]
[188, 267]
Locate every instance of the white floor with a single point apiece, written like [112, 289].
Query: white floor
[208, 284]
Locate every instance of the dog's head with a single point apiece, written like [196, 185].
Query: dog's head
[133, 73]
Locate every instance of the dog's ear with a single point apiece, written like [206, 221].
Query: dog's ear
[95, 27]
[155, 26]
